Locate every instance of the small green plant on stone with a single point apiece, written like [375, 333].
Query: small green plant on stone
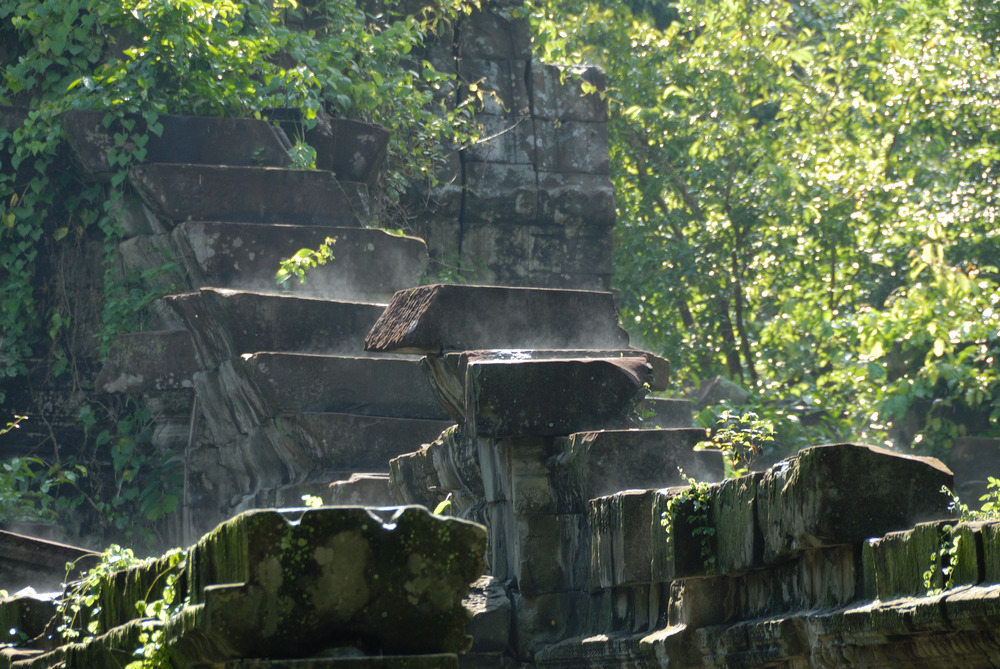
[312, 501]
[947, 557]
[698, 498]
[153, 652]
[304, 260]
[741, 438]
[80, 608]
[990, 508]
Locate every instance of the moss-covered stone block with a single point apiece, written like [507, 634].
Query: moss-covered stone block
[390, 582]
[846, 493]
[990, 533]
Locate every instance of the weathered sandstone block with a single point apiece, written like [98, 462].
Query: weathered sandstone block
[436, 318]
[846, 493]
[552, 397]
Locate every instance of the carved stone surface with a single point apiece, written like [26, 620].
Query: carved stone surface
[249, 195]
[435, 318]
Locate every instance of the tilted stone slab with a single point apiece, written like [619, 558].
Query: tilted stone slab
[158, 360]
[846, 493]
[595, 464]
[249, 195]
[552, 397]
[368, 386]
[368, 264]
[198, 140]
[447, 372]
[435, 318]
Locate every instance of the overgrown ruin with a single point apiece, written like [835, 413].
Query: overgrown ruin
[515, 403]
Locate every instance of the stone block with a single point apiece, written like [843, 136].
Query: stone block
[393, 387]
[498, 193]
[585, 201]
[491, 612]
[148, 361]
[442, 466]
[620, 539]
[545, 619]
[557, 92]
[551, 397]
[816, 499]
[548, 551]
[207, 325]
[572, 147]
[488, 33]
[435, 318]
[593, 464]
[740, 544]
[286, 323]
[184, 139]
[529, 485]
[899, 561]
[391, 582]
[504, 88]
[990, 534]
[353, 150]
[368, 264]
[698, 602]
[250, 195]
[504, 139]
[567, 251]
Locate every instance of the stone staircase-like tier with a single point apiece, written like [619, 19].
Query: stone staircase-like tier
[271, 393]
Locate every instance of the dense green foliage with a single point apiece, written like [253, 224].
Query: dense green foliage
[807, 200]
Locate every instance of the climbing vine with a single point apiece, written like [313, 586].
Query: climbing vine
[694, 505]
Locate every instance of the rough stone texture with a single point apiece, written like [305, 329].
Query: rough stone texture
[226, 324]
[392, 584]
[436, 318]
[250, 195]
[184, 139]
[334, 582]
[368, 264]
[367, 386]
[594, 464]
[448, 373]
[160, 360]
[491, 612]
[813, 500]
[552, 397]
[558, 93]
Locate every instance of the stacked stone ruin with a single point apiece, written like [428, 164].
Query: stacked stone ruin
[515, 405]
[810, 563]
